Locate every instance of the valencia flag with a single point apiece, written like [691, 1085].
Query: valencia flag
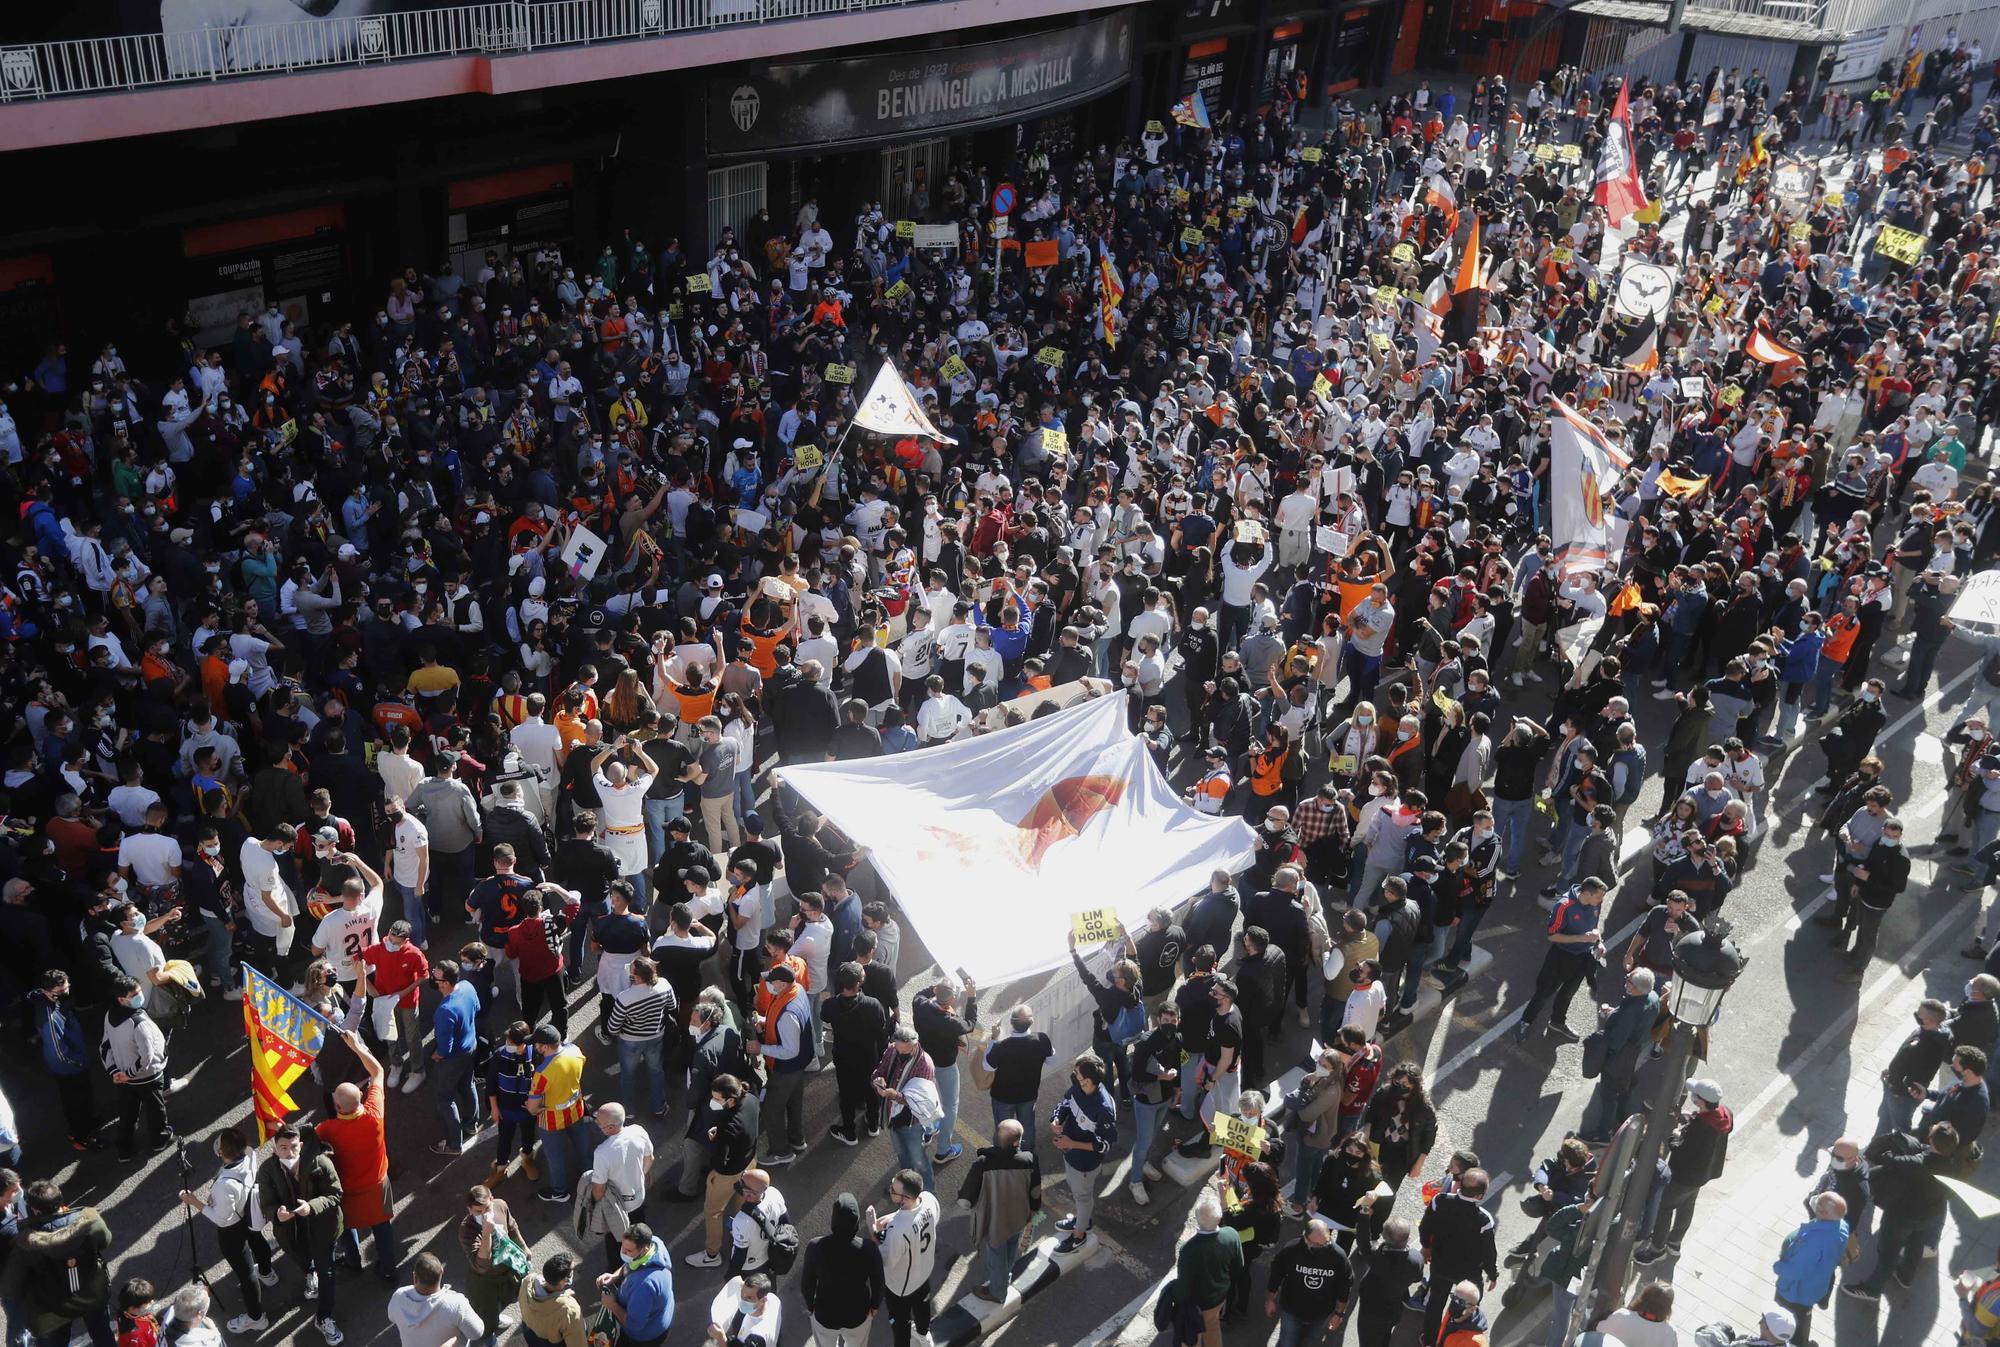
[1767, 348]
[1310, 224]
[1637, 343]
[1468, 293]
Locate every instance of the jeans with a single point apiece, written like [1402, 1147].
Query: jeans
[1898, 1110]
[999, 1260]
[639, 1064]
[387, 1256]
[1923, 659]
[659, 813]
[1676, 1213]
[1512, 822]
[1572, 852]
[1469, 918]
[912, 1153]
[784, 1112]
[1296, 1332]
[215, 951]
[1822, 685]
[1898, 1245]
[1023, 1114]
[567, 1151]
[1145, 1124]
[1607, 1107]
[413, 912]
[454, 1097]
[947, 1088]
[746, 793]
[1306, 1176]
[1083, 1191]
[1788, 708]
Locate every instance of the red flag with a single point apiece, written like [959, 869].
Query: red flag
[1767, 348]
[1618, 189]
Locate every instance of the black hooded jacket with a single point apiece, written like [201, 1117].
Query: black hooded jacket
[841, 1280]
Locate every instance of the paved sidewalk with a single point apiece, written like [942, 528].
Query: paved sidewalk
[1778, 1151]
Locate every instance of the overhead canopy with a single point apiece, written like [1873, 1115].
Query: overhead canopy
[991, 843]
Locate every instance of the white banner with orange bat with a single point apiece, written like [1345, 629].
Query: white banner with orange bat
[991, 843]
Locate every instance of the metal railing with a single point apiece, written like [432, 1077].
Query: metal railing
[152, 60]
[1810, 13]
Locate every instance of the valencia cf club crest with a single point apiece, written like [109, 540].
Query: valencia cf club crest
[744, 105]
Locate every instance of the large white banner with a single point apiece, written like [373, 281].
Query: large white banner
[1583, 471]
[991, 843]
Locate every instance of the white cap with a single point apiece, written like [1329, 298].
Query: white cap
[347, 550]
[238, 668]
[745, 444]
[537, 586]
[482, 518]
[1779, 1324]
[714, 581]
[1706, 1090]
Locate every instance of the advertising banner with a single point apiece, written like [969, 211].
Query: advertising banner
[869, 98]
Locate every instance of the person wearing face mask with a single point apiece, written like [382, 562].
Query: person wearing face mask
[1852, 735]
[227, 1207]
[729, 1134]
[640, 1293]
[1881, 876]
[134, 1051]
[301, 1196]
[393, 975]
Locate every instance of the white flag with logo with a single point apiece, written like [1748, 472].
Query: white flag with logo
[991, 843]
[1584, 470]
[891, 408]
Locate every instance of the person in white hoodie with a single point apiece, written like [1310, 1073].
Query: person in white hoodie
[227, 1207]
[427, 1313]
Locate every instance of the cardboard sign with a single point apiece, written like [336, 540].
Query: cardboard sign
[1311, 155]
[897, 291]
[953, 368]
[1179, 195]
[1233, 1134]
[1156, 127]
[1899, 245]
[1544, 153]
[1096, 926]
[698, 284]
[1732, 395]
[1344, 764]
[288, 431]
[1055, 441]
[906, 229]
[1801, 230]
[1321, 388]
[1402, 254]
[1051, 356]
[1570, 154]
[806, 457]
[1694, 387]
[1380, 341]
[1716, 304]
[584, 553]
[839, 374]
[1385, 294]
[936, 236]
[1560, 255]
[1330, 540]
[1194, 238]
[1246, 202]
[999, 227]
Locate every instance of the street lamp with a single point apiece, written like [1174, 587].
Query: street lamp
[1707, 964]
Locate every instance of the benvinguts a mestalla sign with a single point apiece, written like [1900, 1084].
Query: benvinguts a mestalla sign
[875, 98]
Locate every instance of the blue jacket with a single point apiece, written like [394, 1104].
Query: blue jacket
[1684, 613]
[61, 1033]
[1801, 657]
[457, 1022]
[1808, 1260]
[647, 1293]
[1089, 1117]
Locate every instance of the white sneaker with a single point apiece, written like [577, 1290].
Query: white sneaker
[329, 1330]
[1305, 1020]
[268, 1278]
[395, 1078]
[921, 1340]
[410, 1085]
[243, 1323]
[233, 992]
[312, 1286]
[1153, 1172]
[1826, 878]
[703, 1259]
[1537, 677]
[177, 1084]
[1139, 1193]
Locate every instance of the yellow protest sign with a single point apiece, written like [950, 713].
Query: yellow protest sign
[1560, 255]
[1345, 764]
[1801, 230]
[1544, 153]
[1731, 395]
[288, 431]
[1321, 388]
[840, 374]
[1051, 356]
[677, 310]
[1192, 237]
[1403, 254]
[1156, 127]
[1381, 342]
[1899, 245]
[806, 457]
[897, 291]
[906, 229]
[1213, 220]
[953, 368]
[1056, 441]
[1311, 155]
[1246, 202]
[1385, 294]
[698, 284]
[1180, 196]
[1233, 1134]
[1097, 925]
[1716, 304]
[1570, 154]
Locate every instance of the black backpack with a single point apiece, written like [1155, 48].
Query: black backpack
[783, 1241]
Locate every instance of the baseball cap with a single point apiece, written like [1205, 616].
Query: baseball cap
[714, 581]
[347, 552]
[700, 874]
[330, 836]
[238, 668]
[753, 822]
[181, 536]
[679, 824]
[547, 1036]
[1706, 1090]
[1779, 1324]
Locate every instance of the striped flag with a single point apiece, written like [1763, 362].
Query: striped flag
[1767, 348]
[1468, 293]
[1113, 292]
[1192, 111]
[1619, 189]
[285, 1035]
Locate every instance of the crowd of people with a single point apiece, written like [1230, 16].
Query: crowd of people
[433, 665]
